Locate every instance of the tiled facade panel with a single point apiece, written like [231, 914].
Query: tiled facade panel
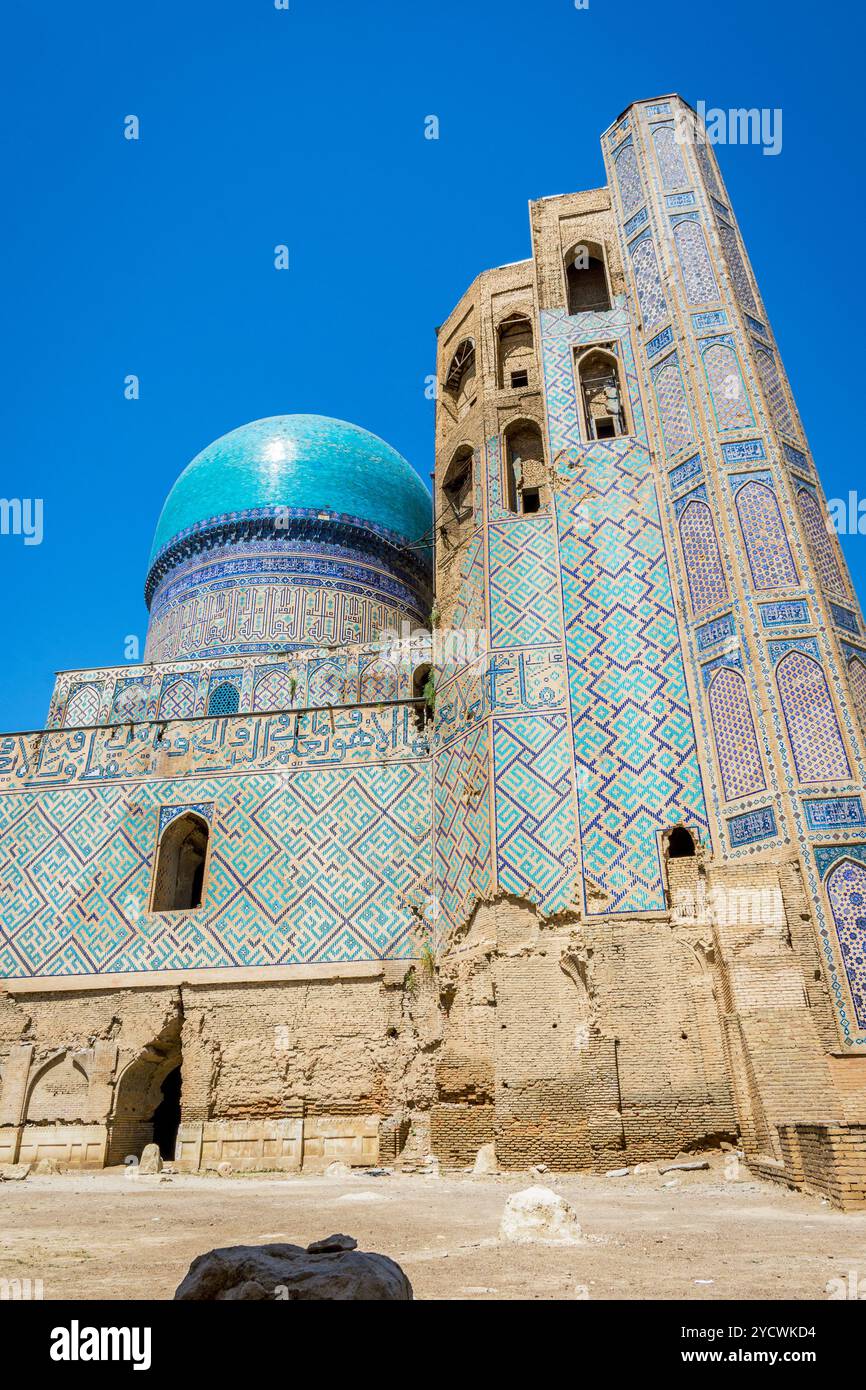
[770, 559]
[706, 577]
[734, 729]
[315, 865]
[816, 740]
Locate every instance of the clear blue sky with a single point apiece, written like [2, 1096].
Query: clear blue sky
[305, 127]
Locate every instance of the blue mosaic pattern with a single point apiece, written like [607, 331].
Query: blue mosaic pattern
[844, 618]
[726, 387]
[633, 736]
[734, 729]
[673, 405]
[684, 472]
[628, 178]
[770, 558]
[650, 294]
[856, 668]
[846, 889]
[82, 708]
[535, 828]
[273, 690]
[773, 389]
[167, 814]
[785, 613]
[813, 730]
[178, 700]
[316, 865]
[523, 584]
[462, 824]
[706, 578]
[752, 827]
[815, 524]
[736, 264]
[669, 156]
[710, 634]
[698, 277]
[834, 813]
[743, 451]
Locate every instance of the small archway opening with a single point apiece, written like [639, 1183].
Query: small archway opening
[224, 699]
[680, 843]
[586, 279]
[523, 467]
[166, 1116]
[460, 384]
[457, 499]
[147, 1098]
[516, 356]
[600, 391]
[178, 883]
[422, 691]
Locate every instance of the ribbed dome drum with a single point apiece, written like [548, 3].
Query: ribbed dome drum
[294, 531]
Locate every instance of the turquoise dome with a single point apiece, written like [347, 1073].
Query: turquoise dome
[298, 461]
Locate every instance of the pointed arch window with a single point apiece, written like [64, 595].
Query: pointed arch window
[586, 279]
[177, 701]
[523, 466]
[846, 889]
[460, 383]
[181, 858]
[601, 394]
[516, 352]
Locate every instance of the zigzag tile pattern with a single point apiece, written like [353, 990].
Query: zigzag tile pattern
[462, 812]
[317, 865]
[535, 826]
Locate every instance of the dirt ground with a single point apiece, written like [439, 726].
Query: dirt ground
[104, 1235]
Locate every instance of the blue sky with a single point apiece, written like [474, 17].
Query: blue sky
[305, 127]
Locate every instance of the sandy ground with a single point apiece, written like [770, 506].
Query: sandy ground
[103, 1235]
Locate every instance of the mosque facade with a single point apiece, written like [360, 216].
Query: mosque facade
[531, 814]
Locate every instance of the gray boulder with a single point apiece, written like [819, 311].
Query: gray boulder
[289, 1273]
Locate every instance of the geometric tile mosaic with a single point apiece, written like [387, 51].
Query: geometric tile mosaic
[816, 742]
[706, 578]
[523, 584]
[736, 743]
[305, 866]
[846, 889]
[820, 543]
[535, 829]
[770, 558]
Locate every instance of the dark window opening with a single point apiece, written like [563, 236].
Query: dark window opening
[166, 1117]
[531, 499]
[681, 844]
[523, 457]
[586, 282]
[516, 353]
[422, 691]
[458, 485]
[604, 412]
[180, 865]
[520, 378]
[460, 378]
